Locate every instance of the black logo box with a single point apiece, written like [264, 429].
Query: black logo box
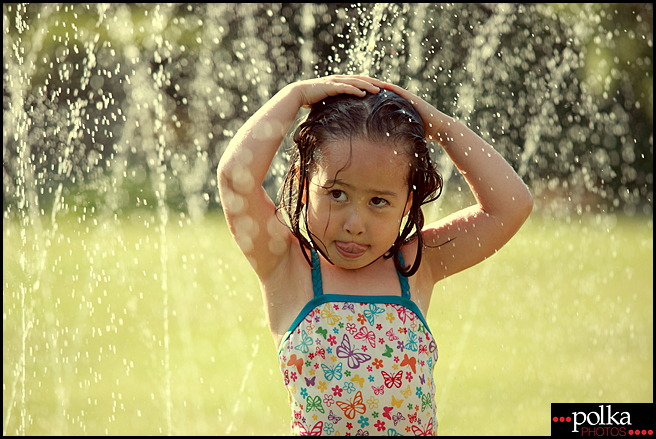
[604, 419]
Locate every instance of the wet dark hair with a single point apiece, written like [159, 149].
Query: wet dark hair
[384, 118]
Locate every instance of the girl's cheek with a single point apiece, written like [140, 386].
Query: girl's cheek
[319, 214]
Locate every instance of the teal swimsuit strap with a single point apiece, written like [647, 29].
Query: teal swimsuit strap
[316, 274]
[405, 286]
[317, 285]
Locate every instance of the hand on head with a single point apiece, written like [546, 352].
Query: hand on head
[315, 90]
[433, 119]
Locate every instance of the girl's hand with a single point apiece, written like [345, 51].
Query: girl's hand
[433, 119]
[314, 90]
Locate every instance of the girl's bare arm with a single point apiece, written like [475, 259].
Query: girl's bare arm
[250, 213]
[503, 200]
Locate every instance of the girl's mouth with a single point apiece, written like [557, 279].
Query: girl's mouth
[350, 250]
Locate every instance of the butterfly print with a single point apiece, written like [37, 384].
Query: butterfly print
[428, 431]
[293, 361]
[332, 372]
[323, 332]
[353, 406]
[404, 313]
[432, 348]
[354, 359]
[426, 401]
[397, 417]
[317, 430]
[358, 380]
[372, 312]
[333, 418]
[390, 335]
[363, 333]
[397, 402]
[314, 403]
[412, 362]
[411, 344]
[306, 341]
[310, 316]
[392, 380]
[328, 314]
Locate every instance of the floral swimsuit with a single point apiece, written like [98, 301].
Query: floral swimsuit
[359, 365]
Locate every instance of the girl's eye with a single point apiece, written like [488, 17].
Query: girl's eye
[338, 195]
[378, 202]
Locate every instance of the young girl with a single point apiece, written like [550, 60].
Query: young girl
[346, 265]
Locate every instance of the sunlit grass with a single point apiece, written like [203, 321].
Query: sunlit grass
[563, 313]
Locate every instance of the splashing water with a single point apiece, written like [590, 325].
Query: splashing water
[127, 307]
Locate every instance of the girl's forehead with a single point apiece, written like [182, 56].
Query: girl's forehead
[377, 163]
[362, 149]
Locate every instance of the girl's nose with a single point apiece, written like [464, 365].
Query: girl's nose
[354, 222]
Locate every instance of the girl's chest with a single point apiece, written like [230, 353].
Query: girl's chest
[380, 279]
[286, 295]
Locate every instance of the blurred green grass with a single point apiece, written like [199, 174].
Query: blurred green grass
[563, 313]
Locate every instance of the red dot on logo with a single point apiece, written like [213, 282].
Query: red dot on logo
[562, 419]
[630, 432]
[568, 419]
[650, 432]
[644, 431]
[637, 432]
[555, 419]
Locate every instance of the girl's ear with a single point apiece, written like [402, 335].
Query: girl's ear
[298, 181]
[408, 205]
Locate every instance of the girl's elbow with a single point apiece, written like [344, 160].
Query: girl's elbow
[224, 178]
[221, 174]
[221, 169]
[525, 204]
[225, 171]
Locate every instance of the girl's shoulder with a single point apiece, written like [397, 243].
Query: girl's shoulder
[287, 289]
[421, 283]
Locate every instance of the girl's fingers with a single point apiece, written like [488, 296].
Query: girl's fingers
[361, 79]
[433, 122]
[317, 89]
[364, 83]
[405, 94]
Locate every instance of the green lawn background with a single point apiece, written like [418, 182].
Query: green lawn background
[563, 313]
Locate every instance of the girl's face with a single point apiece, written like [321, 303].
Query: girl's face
[357, 199]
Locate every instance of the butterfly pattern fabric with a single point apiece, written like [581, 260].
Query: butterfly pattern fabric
[367, 367]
